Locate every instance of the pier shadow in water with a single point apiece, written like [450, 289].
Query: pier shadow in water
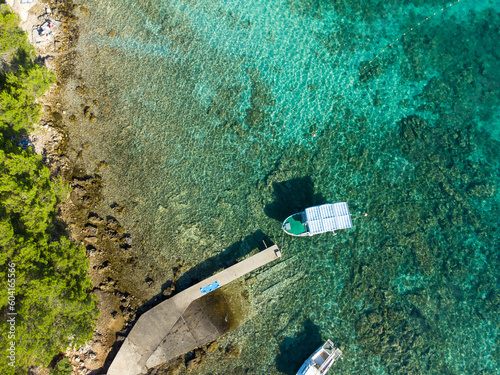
[228, 257]
[295, 350]
[223, 315]
[292, 196]
[257, 240]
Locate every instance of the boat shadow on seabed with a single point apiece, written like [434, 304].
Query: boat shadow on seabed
[292, 196]
[294, 350]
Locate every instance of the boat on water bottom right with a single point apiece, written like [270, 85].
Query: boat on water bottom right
[321, 360]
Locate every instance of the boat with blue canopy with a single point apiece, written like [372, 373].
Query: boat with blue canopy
[318, 219]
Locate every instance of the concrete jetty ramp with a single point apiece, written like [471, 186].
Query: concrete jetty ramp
[142, 350]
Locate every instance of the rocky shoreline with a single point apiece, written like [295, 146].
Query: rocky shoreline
[111, 250]
[100, 235]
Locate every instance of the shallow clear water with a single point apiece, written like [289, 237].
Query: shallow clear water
[219, 118]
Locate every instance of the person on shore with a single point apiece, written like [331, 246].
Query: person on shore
[47, 28]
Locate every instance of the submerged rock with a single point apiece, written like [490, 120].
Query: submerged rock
[91, 229]
[233, 350]
[95, 219]
[481, 189]
[193, 359]
[80, 90]
[168, 291]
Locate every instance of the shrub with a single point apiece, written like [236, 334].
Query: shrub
[54, 306]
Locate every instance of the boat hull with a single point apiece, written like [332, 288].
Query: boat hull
[294, 225]
[321, 360]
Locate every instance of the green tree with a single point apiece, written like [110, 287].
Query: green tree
[63, 367]
[53, 301]
[11, 34]
[18, 109]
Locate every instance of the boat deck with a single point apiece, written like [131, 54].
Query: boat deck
[296, 226]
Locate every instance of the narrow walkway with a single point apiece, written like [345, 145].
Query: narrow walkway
[138, 351]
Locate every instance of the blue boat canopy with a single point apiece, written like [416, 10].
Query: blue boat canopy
[328, 217]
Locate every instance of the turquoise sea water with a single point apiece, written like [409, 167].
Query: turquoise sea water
[219, 118]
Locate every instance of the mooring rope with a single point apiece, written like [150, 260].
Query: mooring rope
[407, 32]
[367, 65]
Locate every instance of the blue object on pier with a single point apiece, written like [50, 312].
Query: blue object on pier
[210, 287]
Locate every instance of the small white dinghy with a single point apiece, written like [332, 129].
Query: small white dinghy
[321, 360]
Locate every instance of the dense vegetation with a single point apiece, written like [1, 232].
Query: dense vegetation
[52, 300]
[63, 367]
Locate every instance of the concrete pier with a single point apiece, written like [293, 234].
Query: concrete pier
[145, 346]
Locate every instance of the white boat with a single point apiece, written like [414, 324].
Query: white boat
[321, 360]
[318, 219]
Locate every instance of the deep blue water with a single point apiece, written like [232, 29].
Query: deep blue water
[226, 116]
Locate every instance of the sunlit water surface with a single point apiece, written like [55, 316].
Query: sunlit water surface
[223, 117]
